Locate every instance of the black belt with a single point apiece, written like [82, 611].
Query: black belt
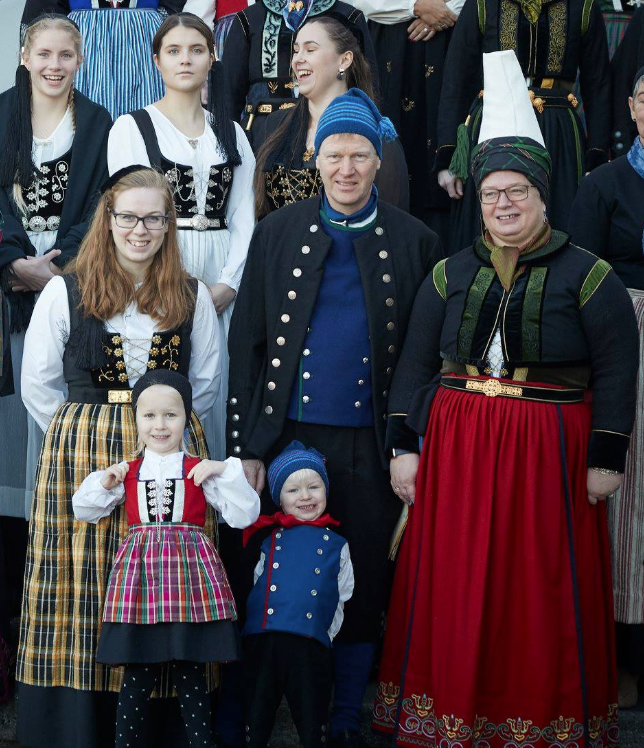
[95, 396]
[491, 387]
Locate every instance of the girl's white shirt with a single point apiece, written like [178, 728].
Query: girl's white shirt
[228, 493]
[389, 12]
[43, 383]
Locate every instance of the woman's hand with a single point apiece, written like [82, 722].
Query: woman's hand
[114, 476]
[419, 31]
[434, 14]
[403, 471]
[255, 473]
[33, 273]
[600, 486]
[222, 296]
[206, 469]
[451, 184]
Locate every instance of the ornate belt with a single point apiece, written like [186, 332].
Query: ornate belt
[498, 388]
[118, 397]
[201, 223]
[41, 223]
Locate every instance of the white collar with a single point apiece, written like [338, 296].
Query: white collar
[154, 458]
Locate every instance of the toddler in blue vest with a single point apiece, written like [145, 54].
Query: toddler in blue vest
[296, 607]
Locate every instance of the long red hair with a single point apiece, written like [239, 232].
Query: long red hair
[106, 289]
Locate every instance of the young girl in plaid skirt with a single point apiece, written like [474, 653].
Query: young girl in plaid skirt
[168, 599]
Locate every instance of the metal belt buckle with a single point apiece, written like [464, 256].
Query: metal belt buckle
[493, 388]
[118, 397]
[199, 222]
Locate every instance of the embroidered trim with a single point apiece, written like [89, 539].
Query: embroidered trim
[557, 17]
[531, 315]
[285, 186]
[593, 281]
[575, 129]
[482, 15]
[508, 25]
[440, 279]
[475, 298]
[585, 16]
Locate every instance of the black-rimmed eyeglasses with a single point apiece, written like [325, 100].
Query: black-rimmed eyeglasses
[515, 194]
[130, 221]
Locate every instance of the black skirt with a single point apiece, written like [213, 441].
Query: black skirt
[124, 643]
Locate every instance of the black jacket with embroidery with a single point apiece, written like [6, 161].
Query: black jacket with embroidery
[567, 319]
[569, 36]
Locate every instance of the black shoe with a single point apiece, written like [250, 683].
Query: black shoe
[347, 739]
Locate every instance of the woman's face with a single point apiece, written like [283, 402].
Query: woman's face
[136, 247]
[512, 224]
[316, 62]
[52, 62]
[184, 59]
[636, 104]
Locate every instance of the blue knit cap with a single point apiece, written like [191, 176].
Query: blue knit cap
[294, 457]
[354, 112]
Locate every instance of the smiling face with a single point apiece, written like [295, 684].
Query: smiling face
[512, 224]
[316, 62]
[52, 61]
[184, 59]
[348, 164]
[161, 419]
[304, 495]
[136, 248]
[636, 104]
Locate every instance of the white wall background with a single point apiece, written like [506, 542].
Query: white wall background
[10, 14]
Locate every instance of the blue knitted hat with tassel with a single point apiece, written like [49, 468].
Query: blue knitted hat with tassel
[294, 457]
[354, 112]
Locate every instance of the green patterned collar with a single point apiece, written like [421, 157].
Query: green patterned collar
[558, 240]
[319, 6]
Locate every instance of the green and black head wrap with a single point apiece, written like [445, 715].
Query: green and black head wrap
[513, 154]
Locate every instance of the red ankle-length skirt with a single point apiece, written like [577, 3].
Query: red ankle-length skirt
[500, 627]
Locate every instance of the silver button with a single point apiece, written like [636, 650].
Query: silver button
[237, 450]
[391, 348]
[309, 616]
[313, 228]
[285, 318]
[317, 571]
[276, 362]
[235, 417]
[390, 325]
[278, 534]
[379, 230]
[306, 375]
[386, 278]
[273, 588]
[385, 393]
[389, 301]
[235, 435]
[271, 385]
[306, 399]
[292, 295]
[325, 537]
[233, 401]
[383, 255]
[297, 272]
[270, 611]
[365, 360]
[268, 410]
[388, 370]
[618, 133]
[320, 551]
[314, 593]
[360, 381]
[278, 547]
[358, 404]
[280, 340]
[276, 565]
[306, 352]
[306, 249]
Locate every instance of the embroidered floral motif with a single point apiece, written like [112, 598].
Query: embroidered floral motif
[45, 195]
[429, 69]
[285, 186]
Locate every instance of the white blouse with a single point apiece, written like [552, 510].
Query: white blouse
[389, 12]
[126, 146]
[43, 384]
[228, 493]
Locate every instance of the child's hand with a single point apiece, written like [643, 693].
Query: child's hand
[206, 469]
[114, 475]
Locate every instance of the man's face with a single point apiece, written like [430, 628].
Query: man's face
[348, 164]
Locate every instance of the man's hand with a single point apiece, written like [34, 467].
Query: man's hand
[255, 473]
[222, 296]
[451, 184]
[33, 273]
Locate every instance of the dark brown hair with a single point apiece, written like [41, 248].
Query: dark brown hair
[293, 128]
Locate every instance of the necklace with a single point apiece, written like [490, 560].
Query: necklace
[193, 142]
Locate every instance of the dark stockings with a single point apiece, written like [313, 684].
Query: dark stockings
[189, 679]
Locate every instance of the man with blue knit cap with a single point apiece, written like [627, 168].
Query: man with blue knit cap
[319, 322]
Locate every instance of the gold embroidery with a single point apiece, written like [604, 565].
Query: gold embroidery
[285, 186]
[388, 66]
[408, 104]
[171, 350]
[573, 100]
[557, 40]
[429, 69]
[272, 86]
[537, 101]
[509, 24]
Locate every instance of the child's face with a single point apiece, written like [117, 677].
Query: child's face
[303, 495]
[161, 419]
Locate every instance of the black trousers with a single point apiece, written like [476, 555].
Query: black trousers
[300, 669]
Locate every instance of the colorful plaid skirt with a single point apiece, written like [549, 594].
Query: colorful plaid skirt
[173, 575]
[68, 562]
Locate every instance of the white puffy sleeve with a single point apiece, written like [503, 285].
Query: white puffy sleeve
[240, 213]
[386, 12]
[205, 359]
[231, 494]
[456, 6]
[205, 9]
[92, 502]
[42, 381]
[345, 589]
[125, 145]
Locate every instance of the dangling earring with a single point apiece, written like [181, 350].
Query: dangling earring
[545, 217]
[340, 75]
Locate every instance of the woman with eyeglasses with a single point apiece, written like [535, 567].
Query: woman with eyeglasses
[518, 369]
[209, 165]
[124, 306]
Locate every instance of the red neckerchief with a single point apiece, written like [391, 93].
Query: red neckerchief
[285, 520]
